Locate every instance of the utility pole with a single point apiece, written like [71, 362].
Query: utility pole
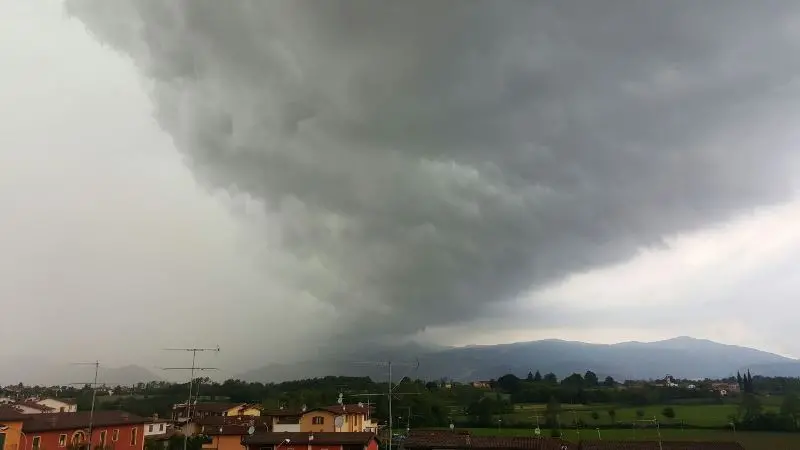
[96, 365]
[191, 370]
[392, 386]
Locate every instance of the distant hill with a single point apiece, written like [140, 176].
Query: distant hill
[681, 357]
[38, 372]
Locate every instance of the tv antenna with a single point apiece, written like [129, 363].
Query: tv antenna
[191, 370]
[390, 391]
[96, 365]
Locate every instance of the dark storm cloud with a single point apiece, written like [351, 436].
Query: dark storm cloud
[437, 157]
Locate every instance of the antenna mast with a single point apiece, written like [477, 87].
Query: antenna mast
[96, 365]
[191, 370]
[392, 386]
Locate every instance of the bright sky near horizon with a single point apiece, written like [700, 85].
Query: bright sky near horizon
[190, 176]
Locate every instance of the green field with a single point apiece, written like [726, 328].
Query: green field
[750, 440]
[697, 415]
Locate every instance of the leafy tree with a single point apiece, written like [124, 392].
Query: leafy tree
[550, 378]
[575, 381]
[750, 407]
[552, 410]
[791, 407]
[590, 379]
[668, 412]
[612, 414]
[509, 383]
[537, 377]
[609, 382]
[595, 415]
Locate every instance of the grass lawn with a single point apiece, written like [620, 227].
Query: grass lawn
[750, 440]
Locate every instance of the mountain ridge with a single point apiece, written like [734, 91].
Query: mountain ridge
[682, 356]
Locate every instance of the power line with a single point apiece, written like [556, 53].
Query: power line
[192, 370]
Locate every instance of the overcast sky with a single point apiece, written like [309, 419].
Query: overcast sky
[273, 177]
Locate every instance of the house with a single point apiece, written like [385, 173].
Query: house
[458, 440]
[11, 433]
[311, 441]
[353, 419]
[729, 388]
[181, 412]
[229, 436]
[655, 445]
[482, 384]
[57, 405]
[155, 426]
[31, 407]
[117, 430]
[284, 420]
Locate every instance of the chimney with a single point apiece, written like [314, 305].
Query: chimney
[155, 416]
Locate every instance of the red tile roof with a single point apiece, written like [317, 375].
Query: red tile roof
[233, 420]
[441, 439]
[232, 429]
[282, 412]
[33, 405]
[344, 409]
[309, 438]
[78, 420]
[10, 414]
[216, 407]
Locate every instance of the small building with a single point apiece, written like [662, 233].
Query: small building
[729, 388]
[156, 426]
[338, 419]
[11, 422]
[50, 431]
[482, 384]
[57, 405]
[311, 441]
[229, 437]
[284, 420]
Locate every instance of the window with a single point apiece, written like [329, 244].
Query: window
[115, 435]
[150, 428]
[317, 420]
[161, 427]
[61, 409]
[62, 440]
[78, 437]
[103, 438]
[37, 440]
[133, 435]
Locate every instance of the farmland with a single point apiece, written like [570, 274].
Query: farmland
[750, 440]
[702, 415]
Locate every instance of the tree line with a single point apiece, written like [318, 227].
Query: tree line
[438, 404]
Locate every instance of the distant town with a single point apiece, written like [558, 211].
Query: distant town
[537, 411]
